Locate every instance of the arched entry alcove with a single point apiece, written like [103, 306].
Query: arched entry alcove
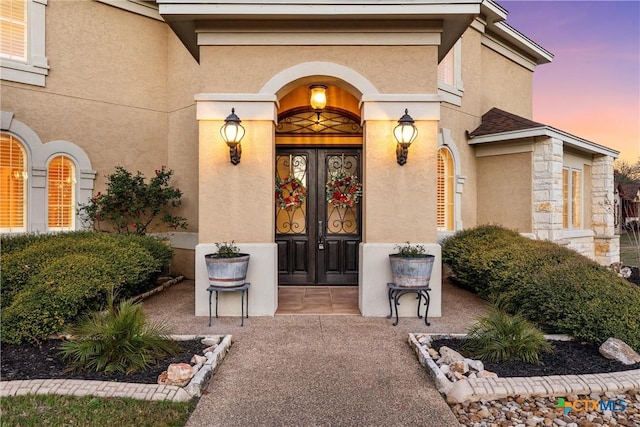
[246, 191]
[318, 168]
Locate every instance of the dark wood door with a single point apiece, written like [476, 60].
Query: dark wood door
[318, 241]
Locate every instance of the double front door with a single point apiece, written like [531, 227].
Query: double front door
[318, 226]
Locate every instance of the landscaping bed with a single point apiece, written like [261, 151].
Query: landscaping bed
[31, 361]
[568, 358]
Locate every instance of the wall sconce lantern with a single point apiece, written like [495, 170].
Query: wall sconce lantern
[405, 134]
[318, 99]
[232, 133]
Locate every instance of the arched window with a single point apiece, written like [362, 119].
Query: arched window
[13, 185]
[61, 194]
[445, 184]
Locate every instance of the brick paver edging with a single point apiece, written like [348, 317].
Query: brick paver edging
[475, 389]
[133, 390]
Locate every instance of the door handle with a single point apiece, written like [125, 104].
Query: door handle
[320, 231]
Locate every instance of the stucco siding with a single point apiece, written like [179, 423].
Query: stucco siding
[399, 203]
[505, 85]
[391, 69]
[106, 89]
[458, 123]
[504, 191]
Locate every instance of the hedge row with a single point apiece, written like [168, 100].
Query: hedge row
[555, 287]
[50, 280]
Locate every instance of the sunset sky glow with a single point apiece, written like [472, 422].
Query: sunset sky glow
[592, 87]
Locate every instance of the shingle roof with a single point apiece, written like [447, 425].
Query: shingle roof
[499, 121]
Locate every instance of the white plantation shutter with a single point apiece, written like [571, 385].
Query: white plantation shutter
[446, 69]
[13, 29]
[445, 196]
[62, 187]
[13, 188]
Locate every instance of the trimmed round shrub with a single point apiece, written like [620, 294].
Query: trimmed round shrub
[555, 287]
[55, 296]
[80, 263]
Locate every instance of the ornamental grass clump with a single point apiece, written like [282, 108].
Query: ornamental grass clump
[117, 340]
[501, 337]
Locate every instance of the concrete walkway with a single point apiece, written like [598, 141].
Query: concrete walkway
[318, 370]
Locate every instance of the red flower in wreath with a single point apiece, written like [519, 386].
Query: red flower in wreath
[343, 190]
[290, 193]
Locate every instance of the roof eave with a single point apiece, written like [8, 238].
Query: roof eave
[522, 42]
[550, 132]
[456, 15]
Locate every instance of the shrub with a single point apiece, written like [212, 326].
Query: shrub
[52, 279]
[500, 337]
[117, 340]
[581, 299]
[56, 296]
[132, 206]
[555, 287]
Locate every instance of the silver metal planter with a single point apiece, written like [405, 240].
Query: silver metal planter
[411, 272]
[227, 272]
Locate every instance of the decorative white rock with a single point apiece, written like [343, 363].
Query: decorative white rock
[616, 349]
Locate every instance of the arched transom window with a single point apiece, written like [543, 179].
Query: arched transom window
[61, 194]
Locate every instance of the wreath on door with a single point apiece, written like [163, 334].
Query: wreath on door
[290, 193]
[343, 189]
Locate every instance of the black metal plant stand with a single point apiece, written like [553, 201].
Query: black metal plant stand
[244, 288]
[395, 292]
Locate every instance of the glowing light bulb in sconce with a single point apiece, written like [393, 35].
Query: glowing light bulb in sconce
[405, 133]
[318, 99]
[232, 133]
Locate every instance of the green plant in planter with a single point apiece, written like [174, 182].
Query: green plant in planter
[411, 266]
[410, 251]
[501, 337]
[227, 250]
[227, 267]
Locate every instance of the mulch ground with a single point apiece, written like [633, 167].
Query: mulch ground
[568, 358]
[30, 362]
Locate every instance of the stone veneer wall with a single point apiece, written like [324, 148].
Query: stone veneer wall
[582, 245]
[607, 243]
[604, 247]
[547, 189]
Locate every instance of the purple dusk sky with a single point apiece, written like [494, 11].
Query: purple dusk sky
[592, 87]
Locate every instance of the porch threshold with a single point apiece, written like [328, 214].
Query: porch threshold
[318, 300]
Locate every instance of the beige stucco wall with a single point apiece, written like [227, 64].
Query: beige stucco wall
[399, 201]
[388, 68]
[504, 191]
[183, 82]
[236, 201]
[106, 88]
[451, 118]
[505, 85]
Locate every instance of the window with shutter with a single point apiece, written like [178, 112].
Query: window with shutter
[61, 189]
[13, 185]
[571, 198]
[22, 41]
[13, 29]
[445, 194]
